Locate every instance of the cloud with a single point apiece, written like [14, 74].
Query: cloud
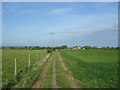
[85, 24]
[61, 10]
[30, 11]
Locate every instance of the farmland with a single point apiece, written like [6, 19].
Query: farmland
[22, 62]
[69, 68]
[93, 68]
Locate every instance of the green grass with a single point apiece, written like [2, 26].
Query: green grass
[27, 78]
[62, 80]
[93, 68]
[8, 57]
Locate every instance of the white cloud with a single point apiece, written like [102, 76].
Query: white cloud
[61, 10]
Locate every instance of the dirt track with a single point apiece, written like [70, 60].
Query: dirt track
[43, 73]
[68, 74]
[54, 83]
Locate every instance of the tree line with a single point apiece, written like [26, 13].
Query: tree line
[58, 47]
[35, 47]
[104, 48]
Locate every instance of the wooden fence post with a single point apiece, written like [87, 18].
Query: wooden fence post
[41, 54]
[15, 67]
[38, 57]
[29, 59]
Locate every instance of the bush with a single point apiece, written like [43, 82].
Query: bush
[49, 50]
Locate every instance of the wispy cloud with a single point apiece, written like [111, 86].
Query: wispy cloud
[61, 10]
[68, 20]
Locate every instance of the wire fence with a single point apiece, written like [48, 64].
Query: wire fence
[21, 66]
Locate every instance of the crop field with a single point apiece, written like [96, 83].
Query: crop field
[8, 67]
[93, 68]
[66, 68]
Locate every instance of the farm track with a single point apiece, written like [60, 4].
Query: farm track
[43, 73]
[42, 76]
[68, 74]
[54, 82]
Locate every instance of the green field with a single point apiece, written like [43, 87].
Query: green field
[8, 57]
[93, 68]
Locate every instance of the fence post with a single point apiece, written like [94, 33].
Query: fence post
[44, 54]
[15, 67]
[41, 54]
[29, 59]
[38, 57]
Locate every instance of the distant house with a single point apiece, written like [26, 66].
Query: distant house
[83, 48]
[77, 47]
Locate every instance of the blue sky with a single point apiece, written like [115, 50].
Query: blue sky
[77, 23]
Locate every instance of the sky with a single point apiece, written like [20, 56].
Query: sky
[0, 14]
[74, 23]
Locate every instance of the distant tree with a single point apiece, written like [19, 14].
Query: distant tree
[25, 47]
[12, 47]
[48, 47]
[64, 47]
[95, 47]
[87, 47]
[105, 48]
[37, 47]
[118, 48]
